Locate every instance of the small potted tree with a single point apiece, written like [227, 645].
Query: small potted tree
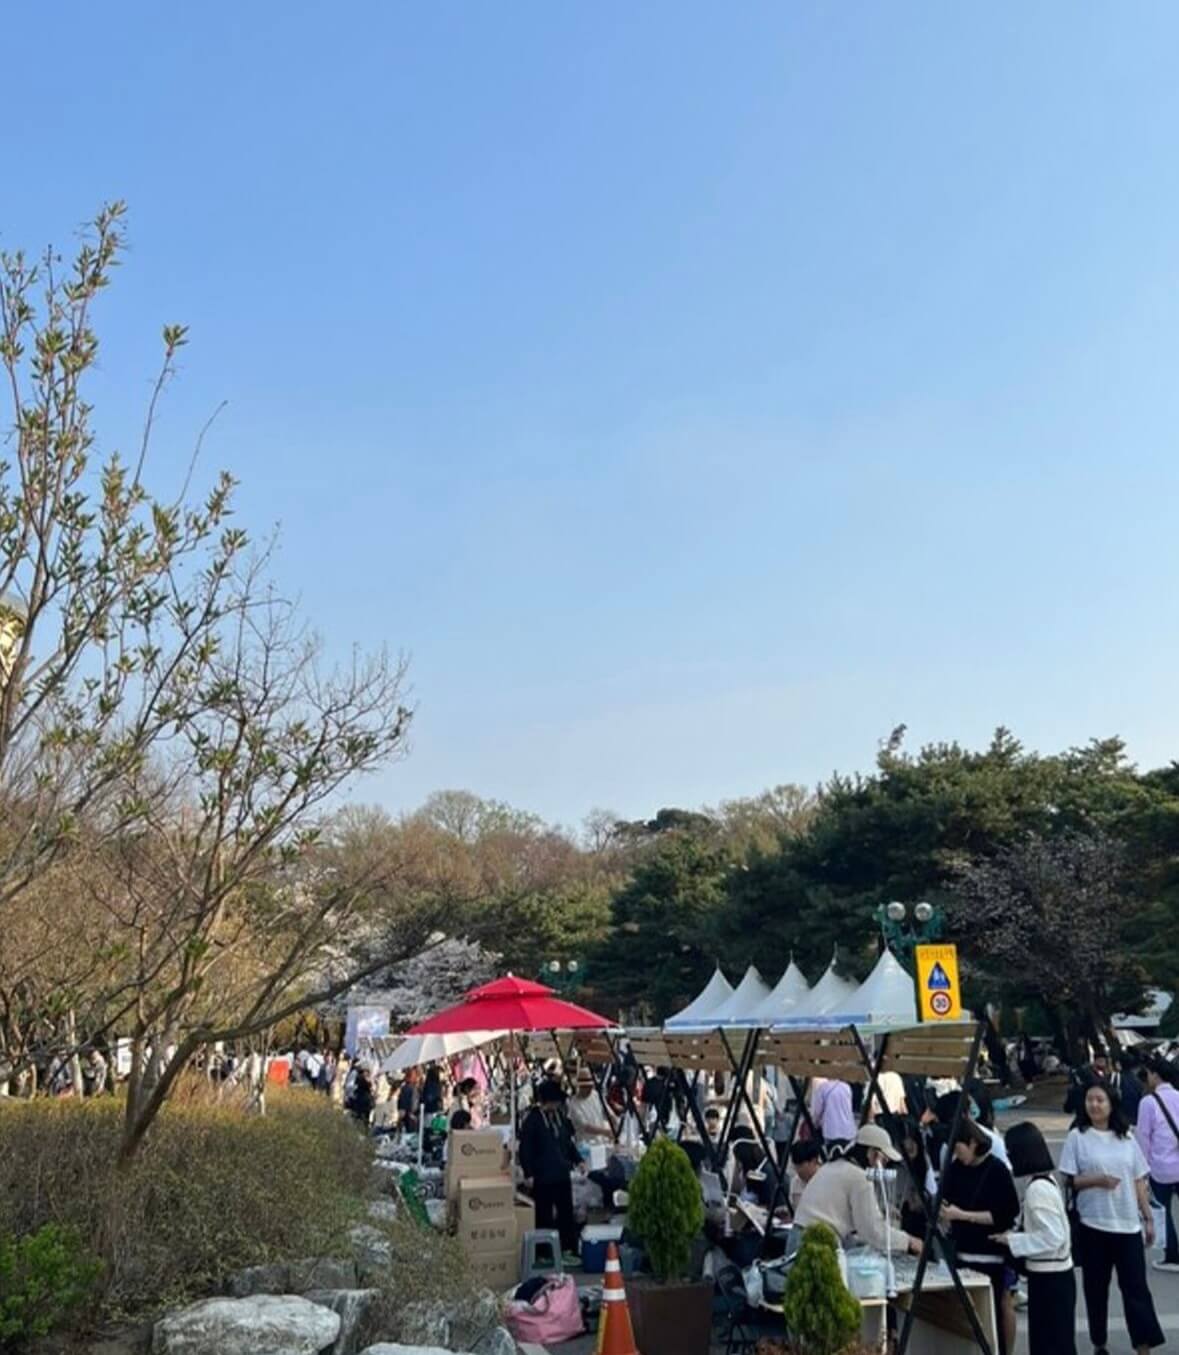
[822, 1316]
[672, 1315]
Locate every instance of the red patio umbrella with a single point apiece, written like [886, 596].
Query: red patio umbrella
[511, 1004]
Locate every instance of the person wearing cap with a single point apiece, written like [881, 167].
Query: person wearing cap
[841, 1195]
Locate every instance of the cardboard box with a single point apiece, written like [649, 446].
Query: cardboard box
[498, 1270]
[471, 1153]
[480, 1235]
[525, 1219]
[484, 1200]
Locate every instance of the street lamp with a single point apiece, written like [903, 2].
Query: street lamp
[564, 975]
[900, 938]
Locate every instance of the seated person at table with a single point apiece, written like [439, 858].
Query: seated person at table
[841, 1195]
[805, 1160]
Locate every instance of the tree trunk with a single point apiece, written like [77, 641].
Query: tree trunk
[75, 1057]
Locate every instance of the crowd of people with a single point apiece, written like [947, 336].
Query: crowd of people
[1007, 1210]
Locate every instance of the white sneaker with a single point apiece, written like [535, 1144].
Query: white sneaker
[1171, 1266]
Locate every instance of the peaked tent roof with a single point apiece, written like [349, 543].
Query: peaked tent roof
[790, 990]
[717, 991]
[750, 993]
[886, 998]
[830, 994]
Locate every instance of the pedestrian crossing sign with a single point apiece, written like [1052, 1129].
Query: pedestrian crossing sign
[938, 991]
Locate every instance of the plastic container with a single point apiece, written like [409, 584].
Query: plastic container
[595, 1238]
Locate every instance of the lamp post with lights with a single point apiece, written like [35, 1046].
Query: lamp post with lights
[900, 935]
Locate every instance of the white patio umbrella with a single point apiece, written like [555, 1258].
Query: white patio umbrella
[415, 1050]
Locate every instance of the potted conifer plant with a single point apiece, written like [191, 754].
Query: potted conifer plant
[672, 1315]
[822, 1316]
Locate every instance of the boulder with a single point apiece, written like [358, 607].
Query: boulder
[425, 1322]
[472, 1320]
[322, 1272]
[353, 1307]
[388, 1348]
[382, 1211]
[270, 1279]
[266, 1324]
[373, 1252]
[498, 1341]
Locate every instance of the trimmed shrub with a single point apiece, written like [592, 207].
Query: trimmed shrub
[822, 1316]
[45, 1278]
[666, 1209]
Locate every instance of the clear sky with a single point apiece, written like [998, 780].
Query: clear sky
[694, 391]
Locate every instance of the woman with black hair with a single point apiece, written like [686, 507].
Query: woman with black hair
[1043, 1242]
[979, 1200]
[1105, 1167]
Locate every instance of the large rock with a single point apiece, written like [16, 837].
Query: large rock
[270, 1279]
[354, 1308]
[473, 1320]
[498, 1341]
[382, 1211]
[388, 1348]
[373, 1252]
[425, 1322]
[266, 1324]
[322, 1272]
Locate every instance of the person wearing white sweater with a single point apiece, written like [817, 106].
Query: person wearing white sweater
[841, 1195]
[1043, 1242]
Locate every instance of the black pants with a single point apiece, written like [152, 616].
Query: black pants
[1052, 1312]
[554, 1209]
[1102, 1254]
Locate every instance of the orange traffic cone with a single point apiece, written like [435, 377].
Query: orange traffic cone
[615, 1334]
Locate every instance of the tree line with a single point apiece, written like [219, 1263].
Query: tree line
[1057, 875]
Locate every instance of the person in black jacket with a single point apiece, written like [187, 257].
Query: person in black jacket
[548, 1154]
[979, 1200]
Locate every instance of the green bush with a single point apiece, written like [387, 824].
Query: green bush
[212, 1190]
[666, 1209]
[822, 1316]
[45, 1277]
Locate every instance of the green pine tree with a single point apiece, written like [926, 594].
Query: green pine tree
[821, 1315]
[666, 1209]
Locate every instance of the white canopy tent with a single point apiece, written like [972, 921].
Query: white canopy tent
[790, 990]
[716, 992]
[830, 994]
[749, 994]
[885, 999]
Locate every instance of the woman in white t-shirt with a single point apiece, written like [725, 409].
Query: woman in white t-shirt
[1105, 1167]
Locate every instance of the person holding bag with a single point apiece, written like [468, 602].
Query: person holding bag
[1158, 1137]
[1042, 1242]
[1104, 1165]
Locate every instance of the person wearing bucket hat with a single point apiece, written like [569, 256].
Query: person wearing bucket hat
[586, 1112]
[842, 1195]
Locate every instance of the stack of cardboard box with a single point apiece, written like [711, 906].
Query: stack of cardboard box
[489, 1220]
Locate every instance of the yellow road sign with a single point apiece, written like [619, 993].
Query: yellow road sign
[938, 990]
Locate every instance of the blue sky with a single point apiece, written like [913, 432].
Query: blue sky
[694, 392]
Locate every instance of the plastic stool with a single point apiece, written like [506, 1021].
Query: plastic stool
[537, 1240]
